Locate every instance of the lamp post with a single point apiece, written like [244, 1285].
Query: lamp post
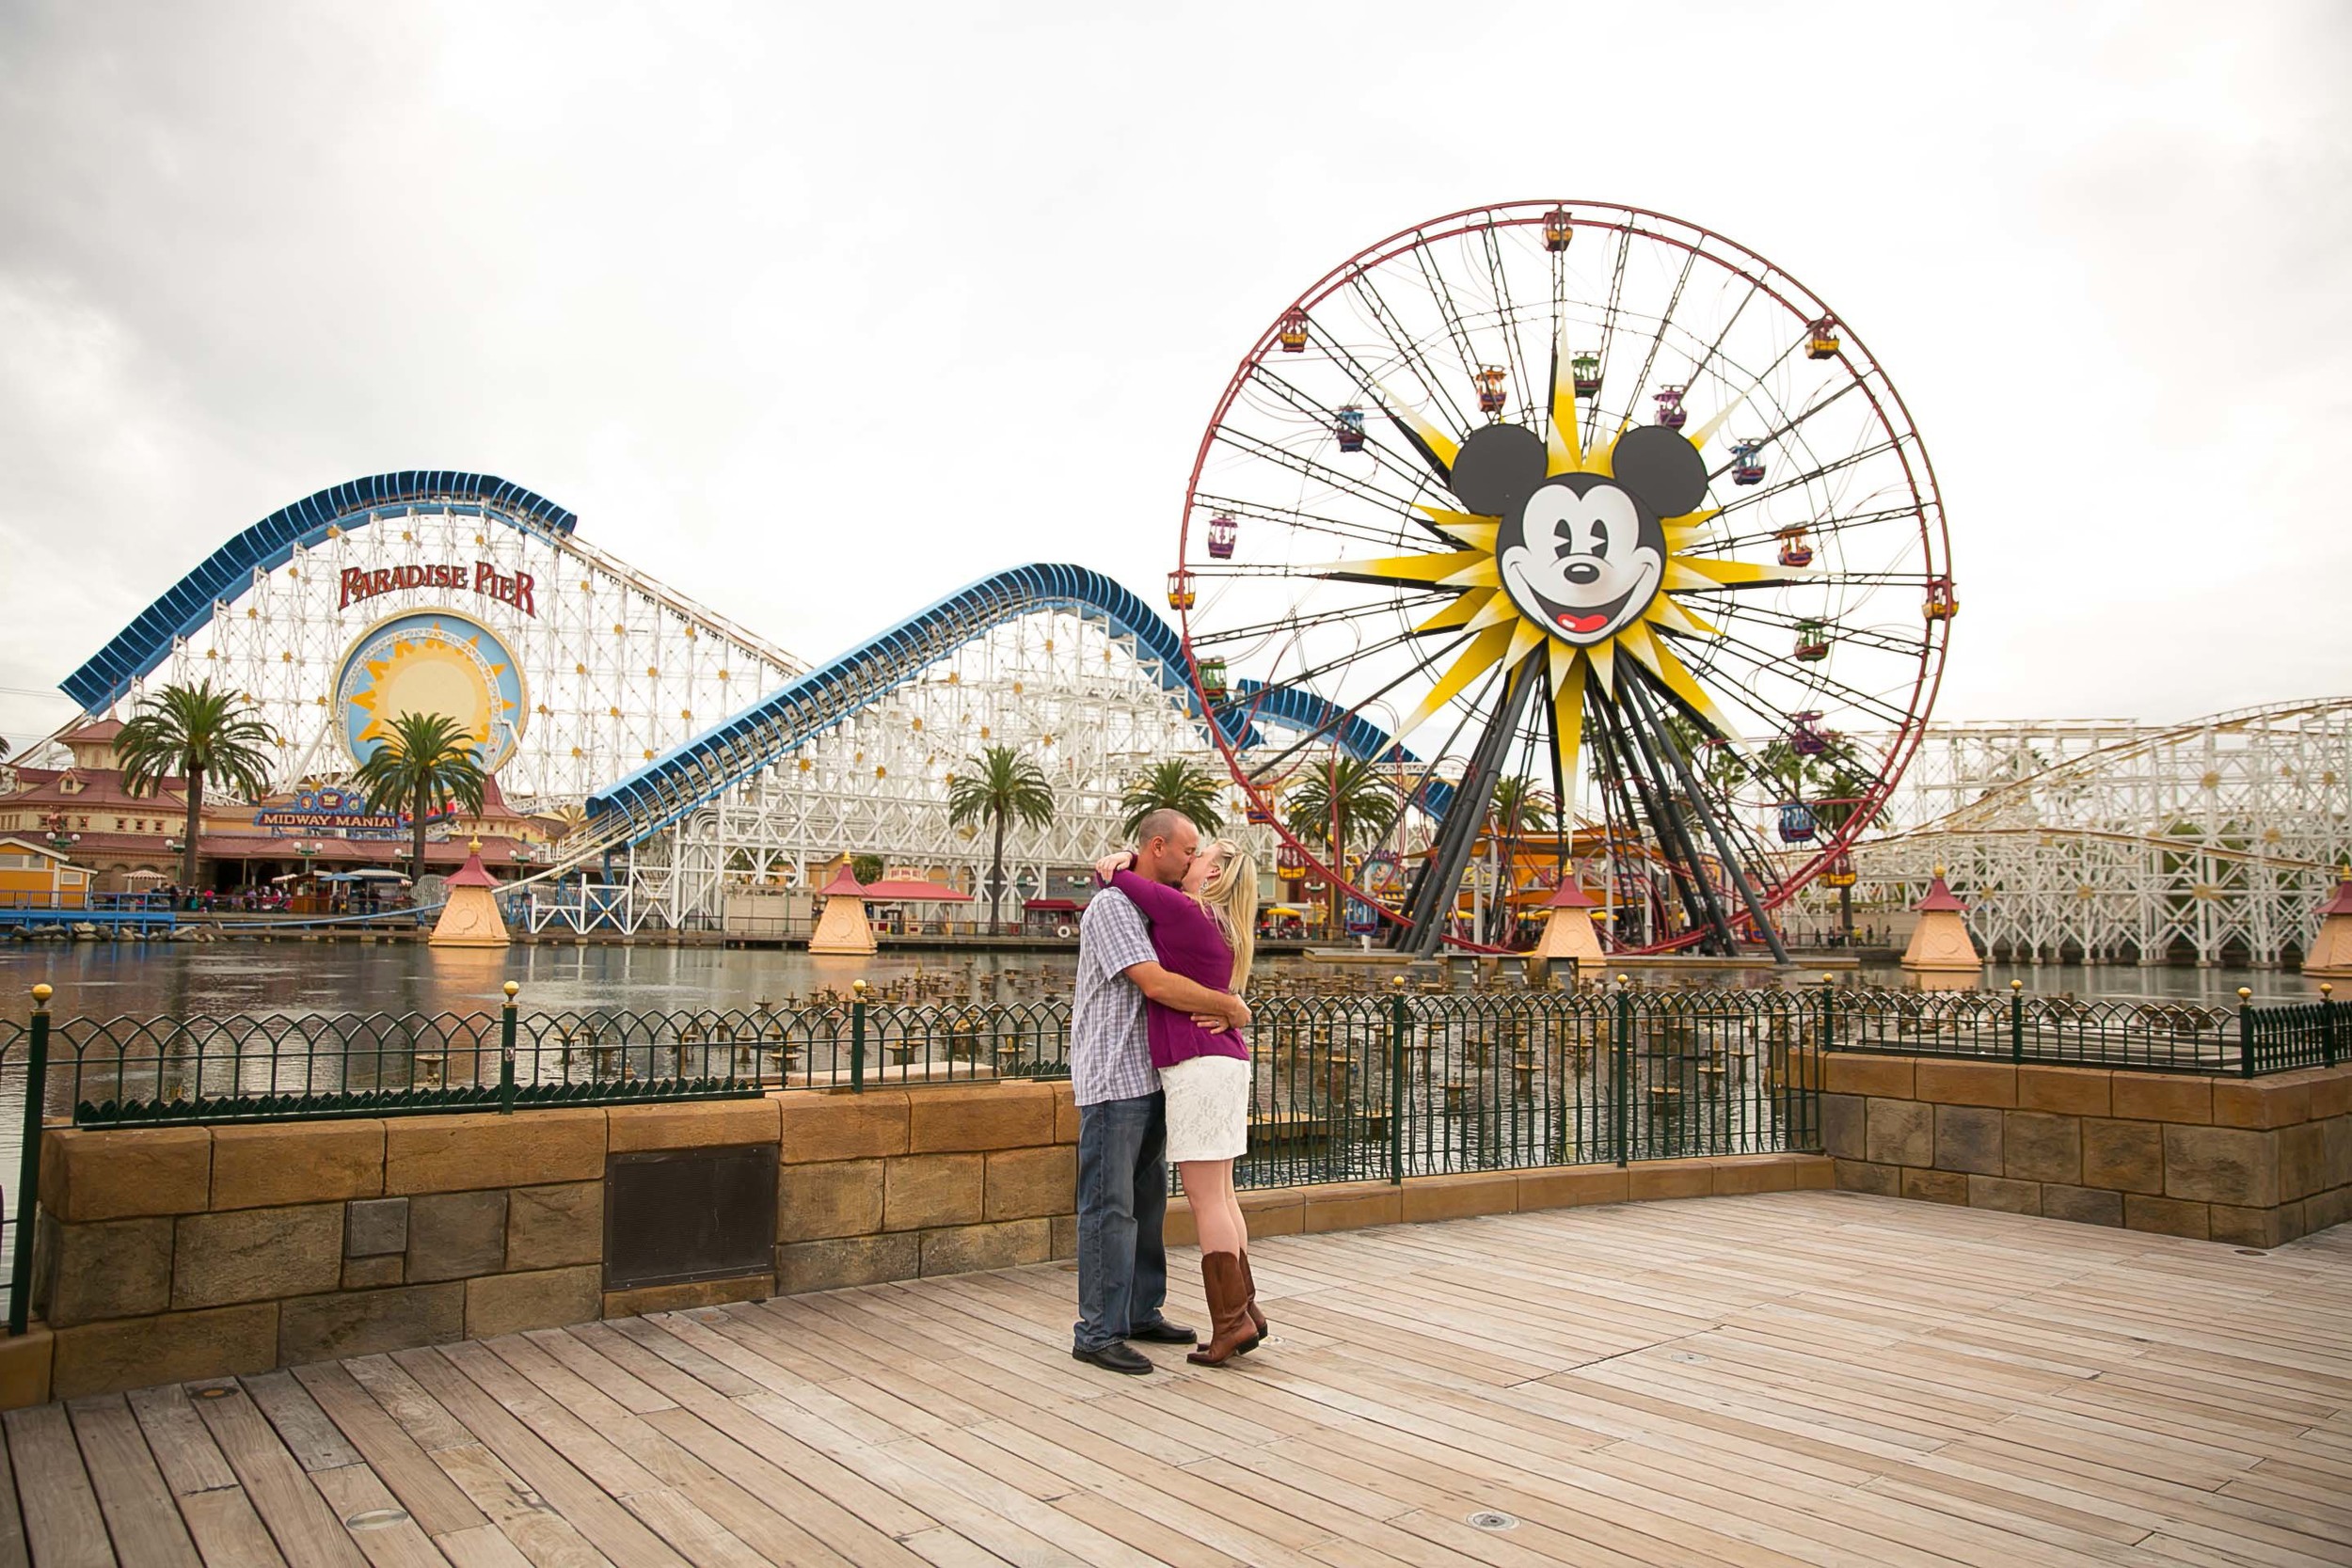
[63, 843]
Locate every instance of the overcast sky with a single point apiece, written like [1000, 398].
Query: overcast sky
[818, 313]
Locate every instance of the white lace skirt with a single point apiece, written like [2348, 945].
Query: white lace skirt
[1208, 1108]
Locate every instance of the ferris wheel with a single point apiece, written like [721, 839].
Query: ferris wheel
[1586, 498]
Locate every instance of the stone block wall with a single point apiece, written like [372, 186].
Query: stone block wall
[2253, 1161]
[164, 1254]
[899, 1183]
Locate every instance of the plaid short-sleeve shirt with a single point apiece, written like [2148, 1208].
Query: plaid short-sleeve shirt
[1110, 1046]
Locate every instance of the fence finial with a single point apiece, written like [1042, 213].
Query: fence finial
[511, 987]
[1397, 980]
[41, 993]
[2017, 985]
[2245, 994]
[858, 986]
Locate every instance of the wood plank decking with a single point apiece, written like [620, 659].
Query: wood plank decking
[1790, 1378]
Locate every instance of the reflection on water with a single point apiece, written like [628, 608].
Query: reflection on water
[108, 980]
[101, 979]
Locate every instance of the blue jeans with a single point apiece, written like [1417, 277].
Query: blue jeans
[1123, 1203]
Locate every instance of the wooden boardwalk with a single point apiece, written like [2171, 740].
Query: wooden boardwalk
[1790, 1378]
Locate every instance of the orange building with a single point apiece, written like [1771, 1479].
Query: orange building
[37, 876]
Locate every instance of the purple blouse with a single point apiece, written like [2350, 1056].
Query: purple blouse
[1188, 944]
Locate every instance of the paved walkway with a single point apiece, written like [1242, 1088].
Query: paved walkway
[1798, 1377]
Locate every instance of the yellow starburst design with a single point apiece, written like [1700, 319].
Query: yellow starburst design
[1501, 633]
[423, 675]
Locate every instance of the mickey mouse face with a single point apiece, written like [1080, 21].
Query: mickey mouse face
[1582, 554]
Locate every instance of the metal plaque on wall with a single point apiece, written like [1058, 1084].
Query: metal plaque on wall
[672, 1216]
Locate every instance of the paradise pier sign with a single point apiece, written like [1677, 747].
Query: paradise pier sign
[359, 583]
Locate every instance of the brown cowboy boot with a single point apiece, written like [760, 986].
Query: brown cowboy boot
[1220, 1277]
[1257, 1319]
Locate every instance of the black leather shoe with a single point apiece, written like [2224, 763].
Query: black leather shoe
[1115, 1358]
[1163, 1333]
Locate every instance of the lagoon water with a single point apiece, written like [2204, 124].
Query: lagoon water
[109, 979]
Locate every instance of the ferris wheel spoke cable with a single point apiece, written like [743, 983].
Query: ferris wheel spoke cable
[1428, 775]
[1810, 476]
[1332, 723]
[1847, 632]
[1327, 416]
[1253, 446]
[1825, 527]
[1755, 286]
[1608, 328]
[1515, 360]
[1817, 682]
[1658, 337]
[1293, 621]
[1424, 257]
[1434, 390]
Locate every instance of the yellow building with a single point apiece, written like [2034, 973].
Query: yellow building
[35, 875]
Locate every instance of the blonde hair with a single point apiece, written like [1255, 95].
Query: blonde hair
[1231, 896]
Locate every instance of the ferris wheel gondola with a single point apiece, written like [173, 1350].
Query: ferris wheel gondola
[1532, 563]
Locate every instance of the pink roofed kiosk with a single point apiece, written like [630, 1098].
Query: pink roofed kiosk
[2330, 957]
[471, 918]
[1569, 935]
[1941, 956]
[841, 925]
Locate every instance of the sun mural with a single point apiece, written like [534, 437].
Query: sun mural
[1569, 557]
[431, 661]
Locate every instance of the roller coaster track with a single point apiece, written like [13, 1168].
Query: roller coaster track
[229, 571]
[1988, 810]
[1297, 708]
[673, 787]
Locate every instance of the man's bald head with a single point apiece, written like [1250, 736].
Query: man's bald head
[1165, 841]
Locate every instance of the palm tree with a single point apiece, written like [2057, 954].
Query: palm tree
[1000, 786]
[1714, 762]
[1517, 809]
[1174, 785]
[427, 759]
[199, 735]
[1329, 803]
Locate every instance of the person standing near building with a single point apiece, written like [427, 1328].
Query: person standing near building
[1122, 1116]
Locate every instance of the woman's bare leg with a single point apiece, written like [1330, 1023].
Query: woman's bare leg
[1215, 1214]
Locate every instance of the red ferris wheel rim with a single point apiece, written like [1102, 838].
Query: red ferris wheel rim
[1760, 271]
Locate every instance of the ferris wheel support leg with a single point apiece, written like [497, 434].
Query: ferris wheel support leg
[1640, 769]
[1732, 867]
[1430, 905]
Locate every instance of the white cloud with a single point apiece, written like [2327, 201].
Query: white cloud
[727, 278]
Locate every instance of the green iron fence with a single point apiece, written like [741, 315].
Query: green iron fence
[2141, 1035]
[1378, 1087]
[1361, 1086]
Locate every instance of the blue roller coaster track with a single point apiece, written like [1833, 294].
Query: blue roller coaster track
[681, 780]
[690, 776]
[269, 543]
